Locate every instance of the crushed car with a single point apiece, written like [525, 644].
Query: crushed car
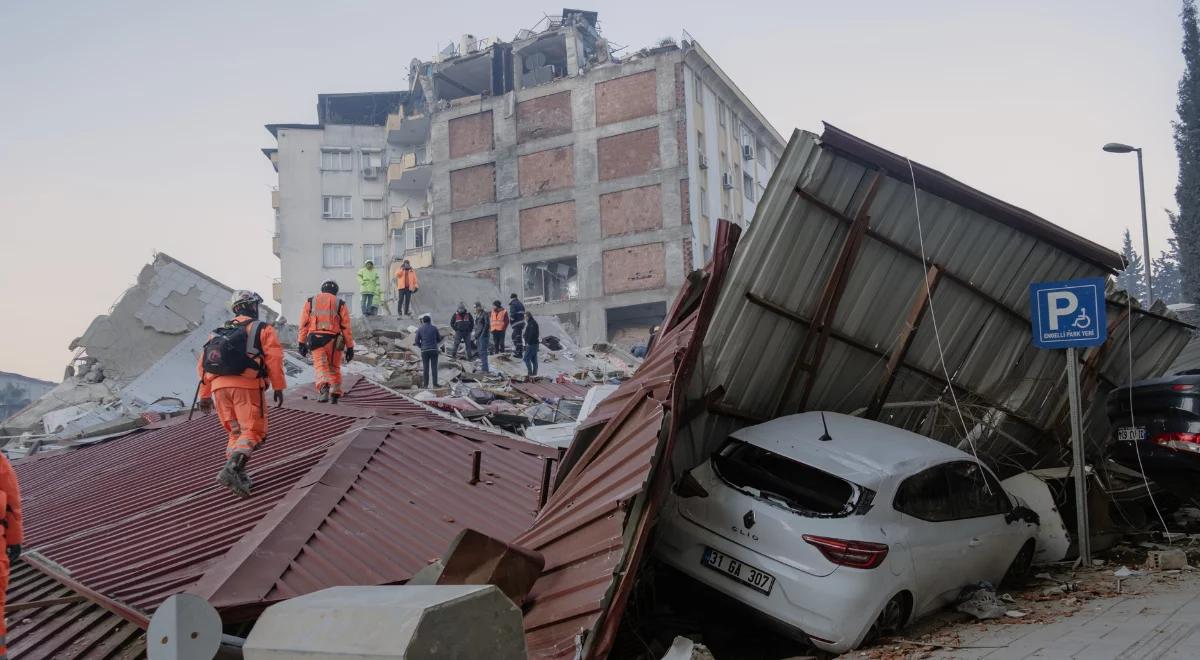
[1156, 431]
[838, 529]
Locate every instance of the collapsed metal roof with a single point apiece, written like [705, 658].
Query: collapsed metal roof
[344, 494]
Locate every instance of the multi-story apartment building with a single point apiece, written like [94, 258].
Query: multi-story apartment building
[586, 183]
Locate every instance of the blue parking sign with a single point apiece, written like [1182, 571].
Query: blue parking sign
[1068, 314]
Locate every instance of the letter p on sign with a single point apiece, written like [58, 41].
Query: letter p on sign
[1061, 303]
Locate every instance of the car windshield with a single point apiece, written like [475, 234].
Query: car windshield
[786, 482]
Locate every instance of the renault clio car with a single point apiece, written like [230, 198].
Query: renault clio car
[837, 528]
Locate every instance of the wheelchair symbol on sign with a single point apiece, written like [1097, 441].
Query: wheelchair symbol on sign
[1083, 321]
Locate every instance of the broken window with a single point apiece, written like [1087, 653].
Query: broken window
[336, 159]
[337, 255]
[951, 491]
[748, 187]
[373, 252]
[630, 325]
[336, 206]
[551, 281]
[783, 481]
[463, 76]
[543, 60]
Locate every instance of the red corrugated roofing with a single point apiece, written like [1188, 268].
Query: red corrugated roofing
[343, 495]
[550, 390]
[611, 481]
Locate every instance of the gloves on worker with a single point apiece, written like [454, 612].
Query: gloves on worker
[416, 290]
[206, 405]
[14, 551]
[349, 354]
[279, 397]
[302, 349]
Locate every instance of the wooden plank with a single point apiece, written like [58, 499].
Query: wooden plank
[904, 340]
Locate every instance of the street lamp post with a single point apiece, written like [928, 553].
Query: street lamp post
[1118, 148]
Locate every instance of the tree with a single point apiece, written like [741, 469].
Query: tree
[1186, 224]
[1168, 281]
[1132, 280]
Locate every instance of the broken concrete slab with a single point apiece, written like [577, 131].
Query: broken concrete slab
[410, 622]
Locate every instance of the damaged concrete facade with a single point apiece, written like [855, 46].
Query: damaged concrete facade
[586, 182]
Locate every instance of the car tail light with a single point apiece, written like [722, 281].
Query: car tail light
[855, 554]
[1183, 388]
[1179, 441]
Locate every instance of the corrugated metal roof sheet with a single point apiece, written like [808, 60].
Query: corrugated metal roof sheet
[137, 519]
[64, 625]
[550, 390]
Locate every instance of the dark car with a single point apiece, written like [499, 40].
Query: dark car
[1157, 431]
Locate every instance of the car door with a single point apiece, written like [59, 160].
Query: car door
[936, 538]
[983, 506]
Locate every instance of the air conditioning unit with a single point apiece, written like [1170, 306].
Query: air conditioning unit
[727, 180]
[370, 172]
[747, 152]
[703, 161]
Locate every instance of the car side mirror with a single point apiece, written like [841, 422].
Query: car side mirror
[688, 486]
[1022, 513]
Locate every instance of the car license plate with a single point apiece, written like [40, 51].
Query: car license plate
[1131, 433]
[752, 577]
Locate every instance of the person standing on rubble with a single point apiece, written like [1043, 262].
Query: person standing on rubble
[533, 336]
[10, 500]
[498, 324]
[463, 325]
[481, 336]
[427, 340]
[368, 287]
[516, 316]
[326, 333]
[406, 285]
[238, 362]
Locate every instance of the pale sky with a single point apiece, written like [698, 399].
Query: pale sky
[132, 127]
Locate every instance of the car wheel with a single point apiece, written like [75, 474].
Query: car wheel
[1018, 570]
[891, 618]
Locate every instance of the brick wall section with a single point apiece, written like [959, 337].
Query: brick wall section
[492, 274]
[688, 256]
[631, 211]
[681, 137]
[544, 171]
[552, 224]
[680, 90]
[628, 154]
[544, 116]
[472, 186]
[635, 268]
[685, 206]
[626, 98]
[471, 239]
[471, 134]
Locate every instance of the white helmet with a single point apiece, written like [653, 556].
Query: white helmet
[244, 301]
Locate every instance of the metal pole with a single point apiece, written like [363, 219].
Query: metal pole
[1083, 539]
[1145, 233]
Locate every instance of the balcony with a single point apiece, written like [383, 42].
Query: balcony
[277, 290]
[275, 198]
[407, 130]
[275, 249]
[409, 173]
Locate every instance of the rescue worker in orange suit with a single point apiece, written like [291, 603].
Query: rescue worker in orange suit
[407, 284]
[10, 499]
[325, 332]
[499, 323]
[239, 397]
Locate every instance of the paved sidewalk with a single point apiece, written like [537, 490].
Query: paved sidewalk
[1160, 620]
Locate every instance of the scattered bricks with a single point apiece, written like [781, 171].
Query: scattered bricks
[1166, 560]
[627, 97]
[552, 224]
[631, 211]
[471, 239]
[472, 186]
[544, 171]
[635, 268]
[543, 117]
[628, 154]
[471, 134]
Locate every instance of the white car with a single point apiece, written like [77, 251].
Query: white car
[840, 528]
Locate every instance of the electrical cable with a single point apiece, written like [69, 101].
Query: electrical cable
[1132, 420]
[933, 318]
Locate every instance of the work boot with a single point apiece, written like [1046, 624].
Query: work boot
[333, 398]
[323, 396]
[233, 476]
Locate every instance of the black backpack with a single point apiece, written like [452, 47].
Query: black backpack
[234, 348]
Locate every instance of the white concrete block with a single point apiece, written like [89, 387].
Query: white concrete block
[410, 622]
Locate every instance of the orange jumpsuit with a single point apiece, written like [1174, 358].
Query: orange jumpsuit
[14, 534]
[239, 399]
[325, 314]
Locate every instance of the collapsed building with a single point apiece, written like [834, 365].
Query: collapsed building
[585, 178]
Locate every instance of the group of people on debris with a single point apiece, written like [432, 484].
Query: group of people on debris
[244, 358]
[371, 291]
